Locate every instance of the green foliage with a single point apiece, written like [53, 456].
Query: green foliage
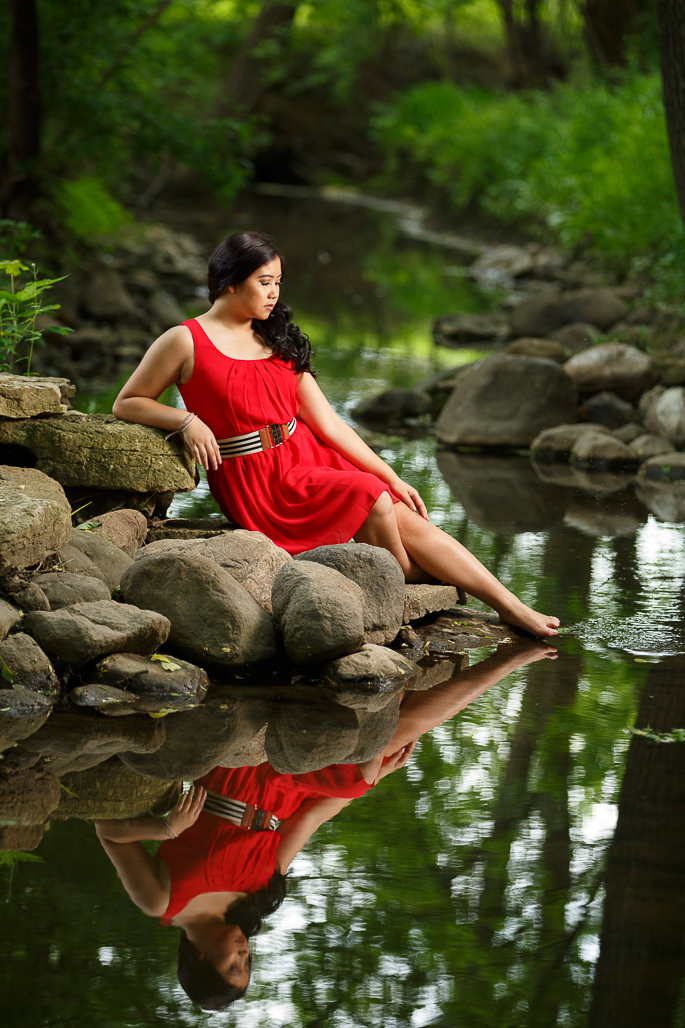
[88, 208]
[19, 309]
[587, 164]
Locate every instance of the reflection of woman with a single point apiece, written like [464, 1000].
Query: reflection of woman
[220, 869]
[279, 460]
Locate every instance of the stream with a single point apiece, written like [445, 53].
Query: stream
[527, 867]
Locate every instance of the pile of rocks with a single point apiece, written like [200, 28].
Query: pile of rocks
[140, 282]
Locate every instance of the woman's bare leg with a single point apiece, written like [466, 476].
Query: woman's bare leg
[422, 547]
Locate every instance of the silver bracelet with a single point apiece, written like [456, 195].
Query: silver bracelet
[184, 424]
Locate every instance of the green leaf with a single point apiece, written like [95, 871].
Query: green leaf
[12, 268]
[8, 675]
[167, 664]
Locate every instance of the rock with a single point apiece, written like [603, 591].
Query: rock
[86, 631]
[35, 484]
[507, 401]
[112, 790]
[602, 451]
[647, 401]
[231, 725]
[468, 329]
[380, 578]
[672, 371]
[9, 617]
[503, 494]
[77, 740]
[427, 599]
[666, 501]
[96, 451]
[249, 557]
[600, 307]
[393, 406]
[165, 683]
[432, 671]
[23, 705]
[529, 347]
[367, 679]
[647, 445]
[499, 265]
[25, 666]
[63, 589]
[555, 443]
[184, 529]
[213, 618]
[613, 366]
[160, 249]
[606, 409]
[666, 416]
[126, 529]
[576, 337]
[627, 433]
[667, 467]
[618, 515]
[28, 798]
[165, 311]
[306, 735]
[319, 611]
[106, 699]
[25, 397]
[376, 729]
[28, 596]
[30, 528]
[106, 299]
[537, 315]
[108, 561]
[22, 839]
[600, 483]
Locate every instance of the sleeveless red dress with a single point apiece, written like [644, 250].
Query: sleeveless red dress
[214, 855]
[301, 494]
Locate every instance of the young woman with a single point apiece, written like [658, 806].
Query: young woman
[278, 458]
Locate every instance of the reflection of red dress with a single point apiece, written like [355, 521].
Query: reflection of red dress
[214, 855]
[301, 494]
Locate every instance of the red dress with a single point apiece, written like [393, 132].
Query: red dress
[300, 494]
[214, 855]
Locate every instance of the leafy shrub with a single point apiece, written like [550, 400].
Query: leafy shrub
[576, 162]
[88, 208]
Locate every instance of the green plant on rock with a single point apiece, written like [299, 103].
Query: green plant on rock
[19, 309]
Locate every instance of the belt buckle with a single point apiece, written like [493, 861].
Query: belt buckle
[276, 433]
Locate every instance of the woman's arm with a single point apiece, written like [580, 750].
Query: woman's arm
[317, 412]
[169, 361]
[301, 825]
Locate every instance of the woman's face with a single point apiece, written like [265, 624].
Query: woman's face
[257, 295]
[230, 956]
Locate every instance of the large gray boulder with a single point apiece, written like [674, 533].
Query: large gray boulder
[213, 619]
[35, 518]
[600, 307]
[601, 450]
[98, 452]
[555, 443]
[165, 683]
[23, 396]
[380, 578]
[308, 734]
[249, 557]
[63, 588]
[616, 367]
[25, 666]
[366, 680]
[507, 400]
[665, 416]
[95, 557]
[86, 631]
[319, 611]
[126, 529]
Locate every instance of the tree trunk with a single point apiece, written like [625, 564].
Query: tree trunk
[19, 185]
[607, 23]
[246, 83]
[671, 14]
[533, 60]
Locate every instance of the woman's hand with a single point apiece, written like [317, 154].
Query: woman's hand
[409, 495]
[201, 442]
[187, 810]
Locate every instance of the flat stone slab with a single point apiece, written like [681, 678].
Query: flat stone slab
[420, 600]
[24, 397]
[189, 528]
[454, 634]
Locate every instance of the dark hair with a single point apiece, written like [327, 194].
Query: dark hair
[233, 261]
[200, 981]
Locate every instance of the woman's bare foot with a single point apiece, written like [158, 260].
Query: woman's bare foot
[520, 616]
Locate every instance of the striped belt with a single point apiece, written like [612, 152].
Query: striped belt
[245, 815]
[254, 442]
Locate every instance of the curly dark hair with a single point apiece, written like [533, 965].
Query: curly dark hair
[198, 978]
[233, 261]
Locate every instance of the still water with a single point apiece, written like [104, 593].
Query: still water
[527, 866]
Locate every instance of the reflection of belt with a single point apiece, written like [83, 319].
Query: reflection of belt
[245, 815]
[254, 442]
